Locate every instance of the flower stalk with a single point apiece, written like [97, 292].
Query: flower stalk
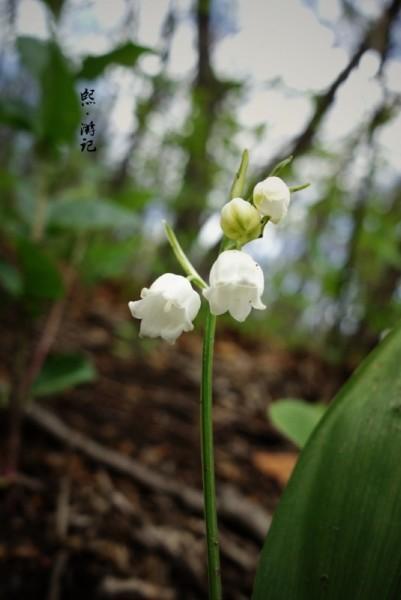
[182, 258]
[207, 451]
[236, 285]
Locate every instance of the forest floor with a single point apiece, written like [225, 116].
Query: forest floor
[122, 518]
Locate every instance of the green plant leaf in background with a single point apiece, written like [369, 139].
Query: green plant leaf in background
[125, 55]
[107, 259]
[55, 6]
[17, 114]
[10, 279]
[61, 372]
[58, 112]
[34, 54]
[337, 530]
[41, 278]
[89, 215]
[296, 419]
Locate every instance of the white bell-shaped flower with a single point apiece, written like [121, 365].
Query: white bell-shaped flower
[272, 198]
[167, 308]
[236, 285]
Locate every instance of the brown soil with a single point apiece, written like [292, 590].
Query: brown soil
[75, 529]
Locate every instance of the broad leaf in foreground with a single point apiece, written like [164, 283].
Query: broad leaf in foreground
[337, 530]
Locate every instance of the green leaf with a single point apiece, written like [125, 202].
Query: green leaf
[134, 198]
[108, 259]
[16, 113]
[89, 215]
[296, 419]
[336, 532]
[59, 110]
[10, 279]
[55, 6]
[125, 55]
[34, 54]
[62, 372]
[40, 274]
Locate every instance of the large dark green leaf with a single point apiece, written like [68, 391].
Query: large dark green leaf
[41, 278]
[62, 372]
[125, 55]
[336, 533]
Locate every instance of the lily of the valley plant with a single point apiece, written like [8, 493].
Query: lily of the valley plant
[236, 284]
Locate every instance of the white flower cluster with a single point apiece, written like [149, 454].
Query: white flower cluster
[242, 221]
[170, 305]
[236, 281]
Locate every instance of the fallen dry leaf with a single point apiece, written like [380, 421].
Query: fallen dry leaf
[277, 465]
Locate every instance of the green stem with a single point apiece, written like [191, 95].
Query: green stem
[182, 258]
[209, 487]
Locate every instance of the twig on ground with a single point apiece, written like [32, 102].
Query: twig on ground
[244, 559]
[112, 586]
[62, 522]
[233, 507]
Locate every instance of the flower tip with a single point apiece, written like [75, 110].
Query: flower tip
[272, 198]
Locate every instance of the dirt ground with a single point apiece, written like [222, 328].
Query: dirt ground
[122, 519]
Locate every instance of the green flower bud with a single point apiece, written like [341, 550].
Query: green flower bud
[240, 221]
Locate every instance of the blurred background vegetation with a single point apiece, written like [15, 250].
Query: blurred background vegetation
[181, 88]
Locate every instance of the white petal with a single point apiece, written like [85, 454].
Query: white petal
[193, 305]
[136, 309]
[217, 298]
[240, 304]
[236, 285]
[167, 308]
[173, 287]
[272, 198]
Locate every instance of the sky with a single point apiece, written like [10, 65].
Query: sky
[257, 42]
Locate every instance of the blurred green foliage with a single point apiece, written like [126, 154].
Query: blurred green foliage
[296, 419]
[337, 273]
[62, 372]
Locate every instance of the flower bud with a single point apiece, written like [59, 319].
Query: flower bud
[272, 198]
[240, 221]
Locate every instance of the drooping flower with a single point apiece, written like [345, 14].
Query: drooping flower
[236, 285]
[272, 198]
[167, 308]
[240, 221]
